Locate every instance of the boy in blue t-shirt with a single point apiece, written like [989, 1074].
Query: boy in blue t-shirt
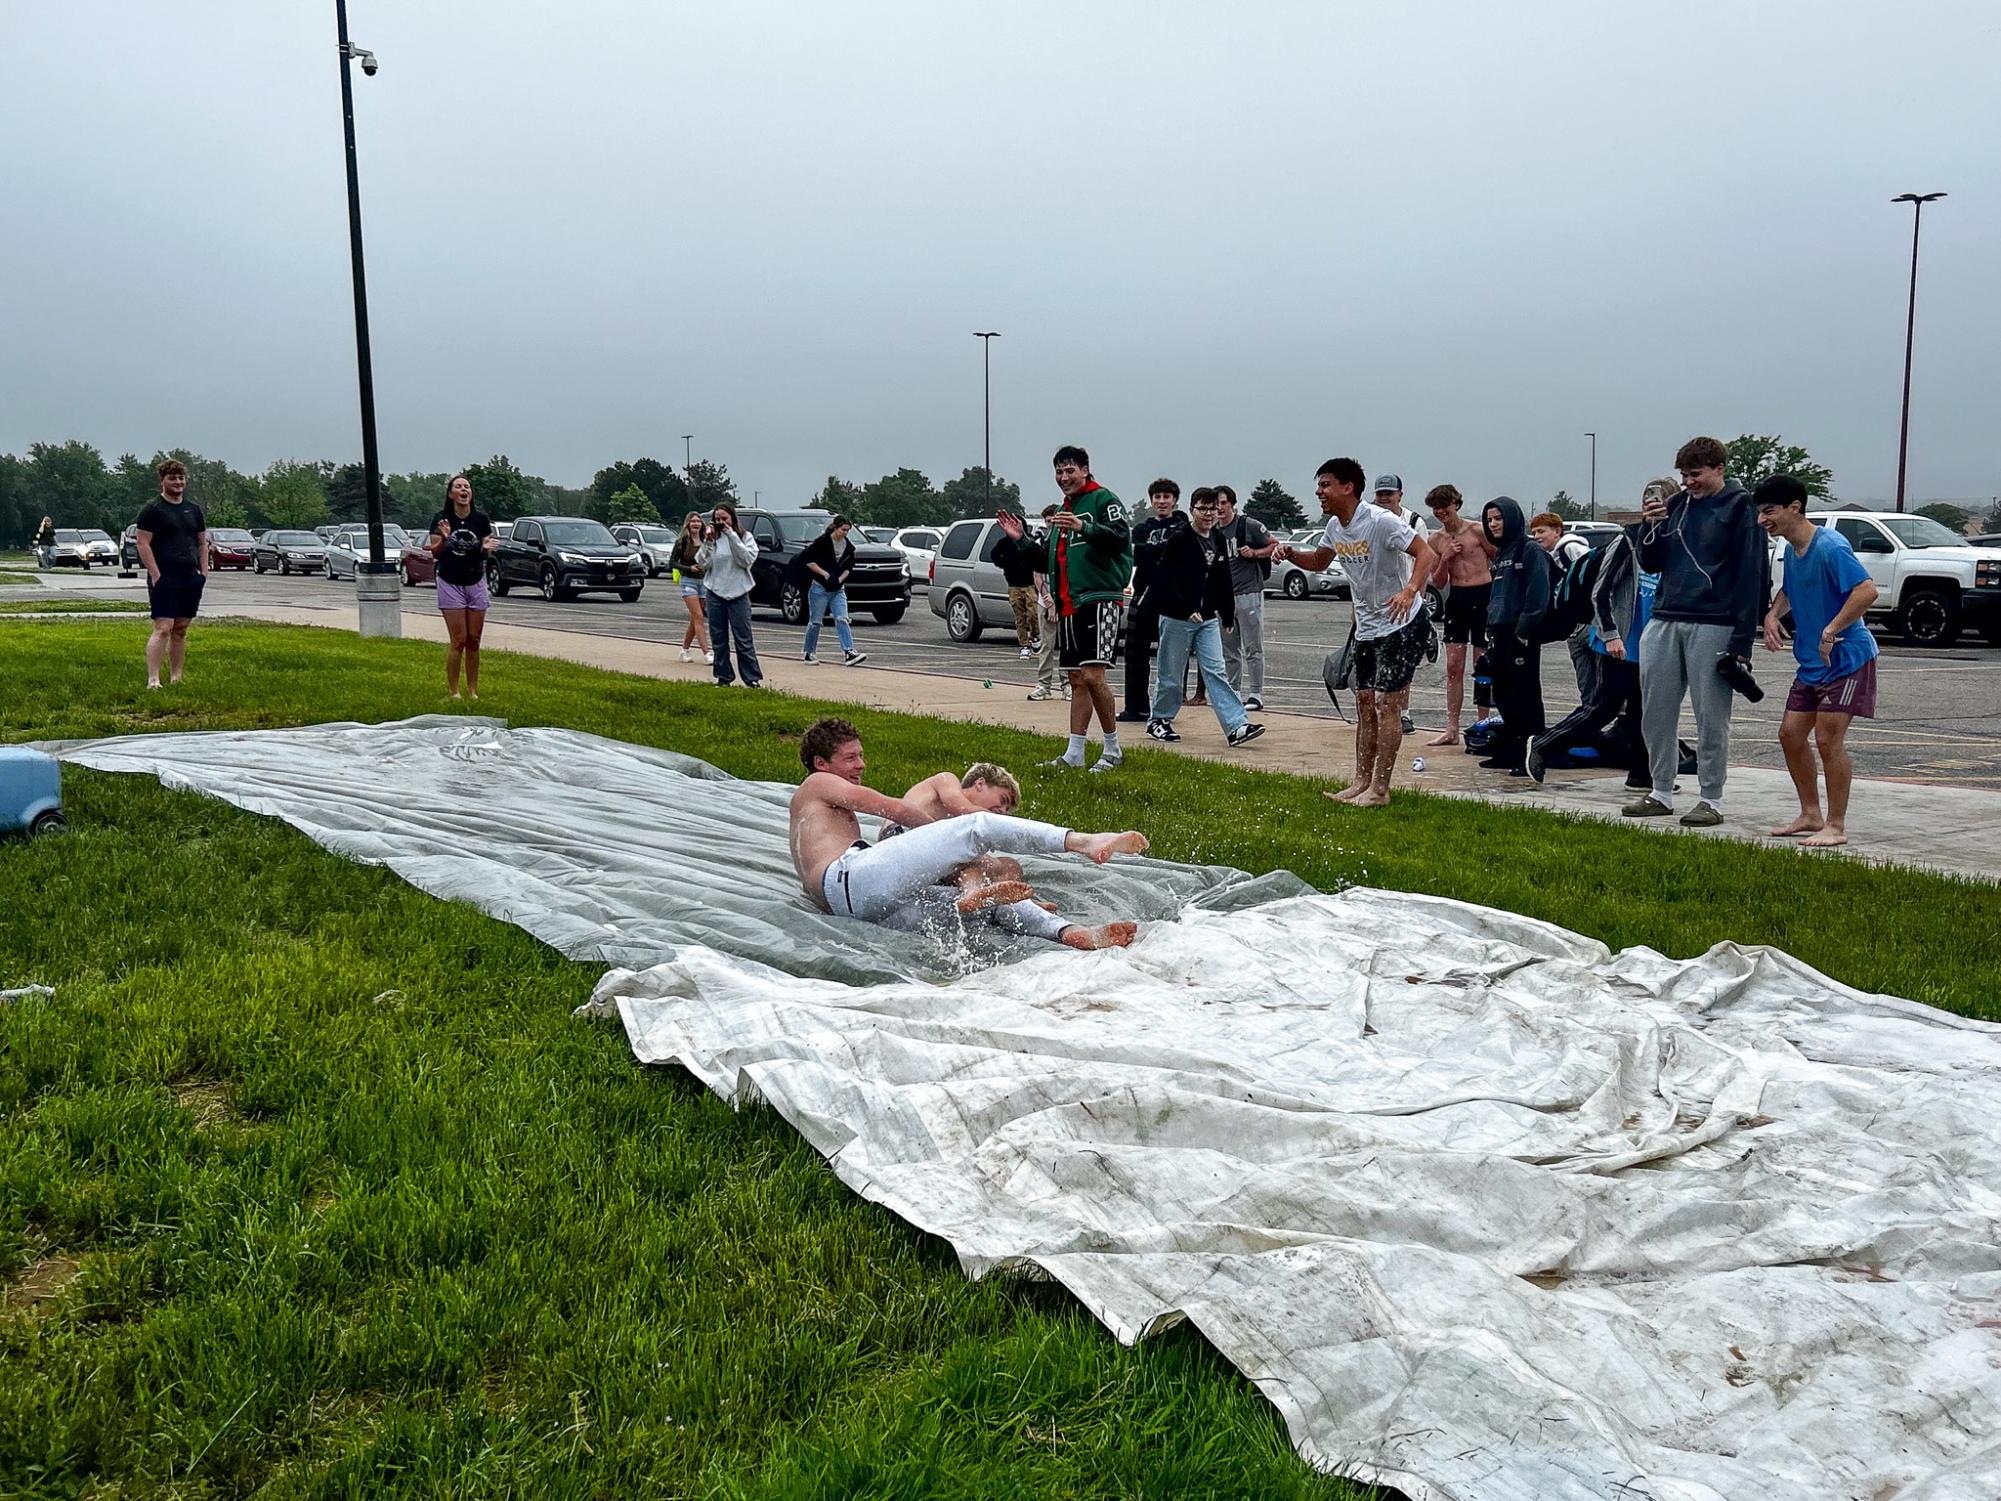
[1834, 655]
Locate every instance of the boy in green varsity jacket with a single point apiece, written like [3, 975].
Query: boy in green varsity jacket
[1090, 561]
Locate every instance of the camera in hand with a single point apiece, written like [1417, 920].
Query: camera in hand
[1736, 671]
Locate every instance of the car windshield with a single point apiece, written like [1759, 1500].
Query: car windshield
[227, 534]
[94, 535]
[802, 526]
[1920, 531]
[292, 539]
[579, 533]
[69, 536]
[659, 536]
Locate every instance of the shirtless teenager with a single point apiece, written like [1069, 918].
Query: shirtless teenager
[985, 788]
[909, 882]
[1465, 562]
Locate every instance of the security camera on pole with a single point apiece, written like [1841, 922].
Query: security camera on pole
[378, 583]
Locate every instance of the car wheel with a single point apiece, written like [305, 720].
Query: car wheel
[1434, 603]
[1296, 586]
[792, 604]
[496, 581]
[284, 568]
[889, 614]
[408, 582]
[257, 567]
[962, 618]
[552, 586]
[48, 821]
[1930, 617]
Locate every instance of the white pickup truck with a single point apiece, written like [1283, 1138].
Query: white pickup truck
[1929, 581]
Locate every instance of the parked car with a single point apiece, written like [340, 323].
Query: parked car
[503, 529]
[228, 547]
[71, 549]
[565, 556]
[1985, 539]
[289, 552]
[879, 585]
[419, 567]
[652, 542]
[918, 544]
[349, 549]
[969, 590]
[128, 547]
[1295, 582]
[1929, 582]
[1597, 533]
[99, 547]
[326, 533]
[883, 534]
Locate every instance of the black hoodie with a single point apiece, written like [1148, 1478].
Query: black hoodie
[1191, 576]
[1714, 563]
[1521, 572]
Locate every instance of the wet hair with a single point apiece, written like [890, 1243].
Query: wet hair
[823, 740]
[1444, 495]
[1780, 490]
[1225, 493]
[994, 776]
[1164, 487]
[1701, 453]
[1070, 453]
[171, 466]
[1346, 471]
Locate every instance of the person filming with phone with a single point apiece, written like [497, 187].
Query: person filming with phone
[1714, 567]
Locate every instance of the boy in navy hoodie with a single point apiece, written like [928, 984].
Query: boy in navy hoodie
[1520, 598]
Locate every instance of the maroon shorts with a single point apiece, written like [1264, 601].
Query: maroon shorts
[1854, 695]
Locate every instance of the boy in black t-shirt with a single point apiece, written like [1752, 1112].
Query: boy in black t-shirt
[173, 549]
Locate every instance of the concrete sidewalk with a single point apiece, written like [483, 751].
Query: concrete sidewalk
[1953, 830]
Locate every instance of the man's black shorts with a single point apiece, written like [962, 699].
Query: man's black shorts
[1466, 614]
[1090, 637]
[1387, 665]
[177, 596]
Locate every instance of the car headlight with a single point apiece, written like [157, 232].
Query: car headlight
[570, 557]
[1986, 573]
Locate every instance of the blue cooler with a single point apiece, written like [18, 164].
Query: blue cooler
[31, 792]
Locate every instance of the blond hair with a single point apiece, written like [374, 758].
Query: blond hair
[994, 776]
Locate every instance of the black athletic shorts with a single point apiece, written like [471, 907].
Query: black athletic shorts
[1466, 614]
[1090, 637]
[177, 596]
[1388, 663]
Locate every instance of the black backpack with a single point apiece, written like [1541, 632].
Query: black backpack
[1570, 596]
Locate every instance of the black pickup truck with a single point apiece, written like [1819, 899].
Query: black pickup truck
[879, 585]
[565, 556]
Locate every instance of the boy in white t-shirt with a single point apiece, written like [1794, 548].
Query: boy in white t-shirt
[1386, 564]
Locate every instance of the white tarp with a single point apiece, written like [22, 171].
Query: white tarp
[1484, 1210]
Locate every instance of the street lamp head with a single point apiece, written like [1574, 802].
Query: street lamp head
[979, 335]
[1917, 197]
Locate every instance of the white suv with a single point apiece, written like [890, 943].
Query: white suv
[1929, 582]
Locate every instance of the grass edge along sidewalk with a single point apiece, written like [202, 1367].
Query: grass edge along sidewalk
[310, 1182]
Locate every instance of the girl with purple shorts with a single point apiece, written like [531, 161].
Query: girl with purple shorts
[461, 537]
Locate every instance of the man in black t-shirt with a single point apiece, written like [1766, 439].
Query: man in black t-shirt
[173, 549]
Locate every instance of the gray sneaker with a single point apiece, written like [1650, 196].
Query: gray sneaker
[1646, 807]
[1108, 763]
[1063, 763]
[1042, 691]
[1702, 816]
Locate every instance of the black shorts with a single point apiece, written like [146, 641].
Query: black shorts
[1090, 637]
[1387, 665]
[177, 596]
[1466, 614]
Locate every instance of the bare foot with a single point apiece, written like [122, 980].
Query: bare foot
[154, 687]
[1113, 935]
[1099, 848]
[1047, 906]
[1346, 795]
[995, 894]
[1806, 823]
[453, 698]
[1826, 839]
[1444, 737]
[1370, 799]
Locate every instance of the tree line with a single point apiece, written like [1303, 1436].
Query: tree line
[908, 498]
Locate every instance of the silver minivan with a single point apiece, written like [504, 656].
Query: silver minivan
[967, 587]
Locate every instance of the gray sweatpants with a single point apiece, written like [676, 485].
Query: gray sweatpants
[1244, 647]
[1678, 657]
[906, 882]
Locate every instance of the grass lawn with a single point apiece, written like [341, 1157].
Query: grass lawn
[310, 1186]
[71, 606]
[12, 579]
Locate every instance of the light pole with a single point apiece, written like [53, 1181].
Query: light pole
[376, 582]
[687, 453]
[1917, 201]
[987, 377]
[1594, 474]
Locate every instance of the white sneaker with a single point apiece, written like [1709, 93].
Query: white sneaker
[1028, 651]
[853, 658]
[1254, 704]
[709, 657]
[1041, 692]
[1066, 694]
[687, 654]
[809, 657]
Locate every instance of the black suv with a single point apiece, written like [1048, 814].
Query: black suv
[880, 583]
[565, 556]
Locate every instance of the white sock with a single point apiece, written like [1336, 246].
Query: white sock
[1076, 751]
[1111, 742]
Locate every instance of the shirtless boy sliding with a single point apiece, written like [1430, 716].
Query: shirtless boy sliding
[910, 882]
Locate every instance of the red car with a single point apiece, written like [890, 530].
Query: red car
[229, 547]
[419, 567]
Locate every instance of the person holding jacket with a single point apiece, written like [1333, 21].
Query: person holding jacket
[1090, 563]
[1019, 559]
[1142, 620]
[1193, 590]
[725, 558]
[1715, 569]
[828, 560]
[1520, 598]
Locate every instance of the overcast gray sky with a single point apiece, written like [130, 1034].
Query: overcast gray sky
[1220, 241]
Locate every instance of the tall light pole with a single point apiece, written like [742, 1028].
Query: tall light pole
[1917, 201]
[987, 377]
[687, 453]
[1594, 474]
[375, 580]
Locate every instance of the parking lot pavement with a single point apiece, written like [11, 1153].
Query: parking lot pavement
[1940, 719]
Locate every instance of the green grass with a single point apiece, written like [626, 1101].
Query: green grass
[353, 1207]
[71, 606]
[10, 579]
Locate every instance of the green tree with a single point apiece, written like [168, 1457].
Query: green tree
[905, 498]
[838, 498]
[411, 500]
[500, 489]
[632, 504]
[226, 511]
[16, 525]
[347, 493]
[709, 485]
[1953, 518]
[293, 495]
[69, 483]
[1568, 509]
[1753, 458]
[966, 496]
[136, 483]
[1270, 504]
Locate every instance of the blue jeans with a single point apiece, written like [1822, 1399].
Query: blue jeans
[731, 618]
[1180, 639]
[818, 598]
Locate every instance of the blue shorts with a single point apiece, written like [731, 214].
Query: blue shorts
[177, 596]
